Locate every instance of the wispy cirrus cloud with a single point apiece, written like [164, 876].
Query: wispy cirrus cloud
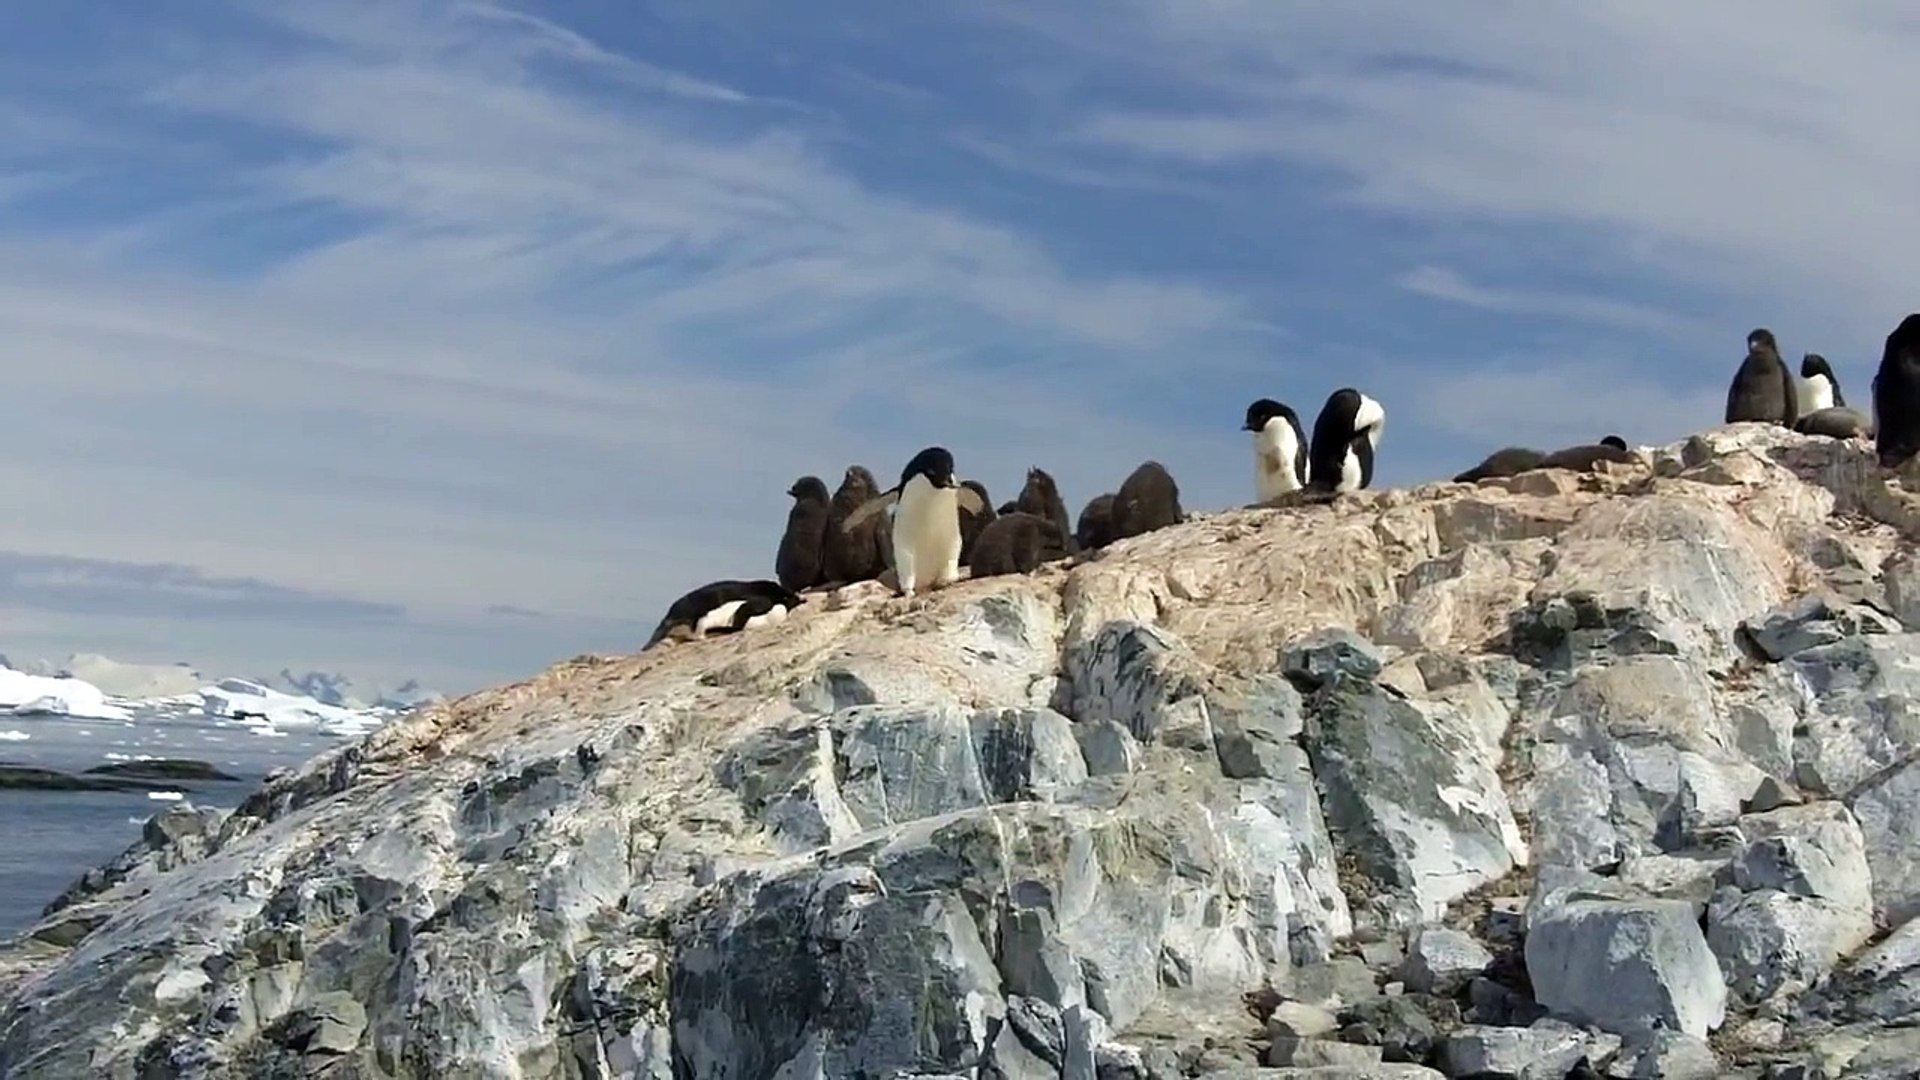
[485, 310]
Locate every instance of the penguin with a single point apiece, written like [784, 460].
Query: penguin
[799, 563]
[860, 555]
[1818, 387]
[1008, 507]
[926, 520]
[1510, 461]
[1279, 449]
[1346, 435]
[1763, 388]
[1095, 528]
[1016, 543]
[1584, 457]
[972, 524]
[1835, 422]
[754, 612]
[712, 606]
[1148, 499]
[1041, 498]
[1896, 396]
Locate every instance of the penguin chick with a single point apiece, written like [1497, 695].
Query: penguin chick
[1095, 528]
[1041, 498]
[1147, 500]
[1017, 543]
[800, 561]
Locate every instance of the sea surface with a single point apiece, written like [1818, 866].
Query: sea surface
[49, 838]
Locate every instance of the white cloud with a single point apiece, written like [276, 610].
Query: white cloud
[1745, 151]
[546, 342]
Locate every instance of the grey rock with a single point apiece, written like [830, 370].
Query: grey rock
[1411, 797]
[1408, 1027]
[1888, 809]
[1299, 1020]
[1254, 733]
[1810, 622]
[1665, 1055]
[329, 1024]
[1797, 899]
[1109, 750]
[1441, 960]
[1626, 966]
[1340, 981]
[1321, 656]
[1512, 1053]
[1862, 699]
[1389, 1071]
[1320, 1053]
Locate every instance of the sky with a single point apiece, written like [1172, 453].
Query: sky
[450, 340]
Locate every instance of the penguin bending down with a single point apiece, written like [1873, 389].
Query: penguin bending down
[1896, 396]
[1016, 543]
[1147, 500]
[713, 608]
[1345, 436]
[1041, 497]
[800, 562]
[860, 555]
[926, 520]
[1763, 389]
[1818, 387]
[1279, 449]
[1095, 528]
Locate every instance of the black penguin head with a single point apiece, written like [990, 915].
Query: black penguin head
[1266, 409]
[809, 487]
[1760, 339]
[1007, 508]
[1614, 441]
[1814, 364]
[1039, 482]
[935, 463]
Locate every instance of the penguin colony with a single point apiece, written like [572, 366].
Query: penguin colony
[940, 523]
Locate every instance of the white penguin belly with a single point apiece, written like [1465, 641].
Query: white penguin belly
[1274, 451]
[1814, 394]
[926, 534]
[773, 616]
[1349, 472]
[717, 618]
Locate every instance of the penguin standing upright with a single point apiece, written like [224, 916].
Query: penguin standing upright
[1763, 389]
[800, 561]
[927, 505]
[1279, 449]
[1896, 396]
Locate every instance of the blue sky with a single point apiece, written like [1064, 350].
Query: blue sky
[453, 339]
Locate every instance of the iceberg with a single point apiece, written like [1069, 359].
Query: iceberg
[50, 695]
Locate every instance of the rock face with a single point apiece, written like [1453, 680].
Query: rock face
[1608, 774]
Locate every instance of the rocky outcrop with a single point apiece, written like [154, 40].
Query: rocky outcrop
[1560, 774]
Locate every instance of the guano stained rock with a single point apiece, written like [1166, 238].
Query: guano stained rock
[1618, 769]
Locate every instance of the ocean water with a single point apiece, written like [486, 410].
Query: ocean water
[49, 838]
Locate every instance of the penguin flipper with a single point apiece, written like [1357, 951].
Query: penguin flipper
[869, 508]
[970, 501]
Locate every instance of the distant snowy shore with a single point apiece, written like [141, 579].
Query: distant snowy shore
[263, 710]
